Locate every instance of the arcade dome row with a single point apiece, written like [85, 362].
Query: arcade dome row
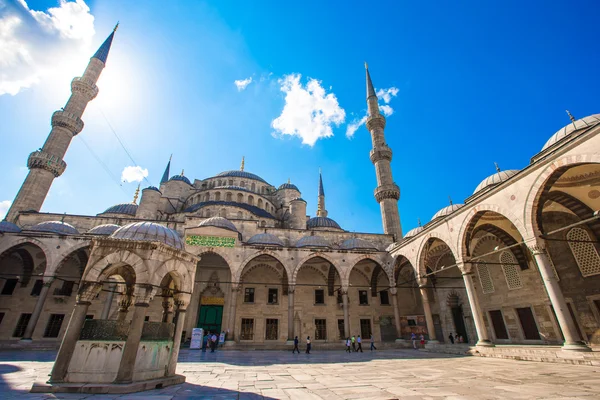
[502, 176]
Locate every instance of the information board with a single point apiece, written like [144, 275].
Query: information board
[197, 336]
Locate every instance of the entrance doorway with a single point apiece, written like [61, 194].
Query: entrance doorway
[459, 323]
[210, 318]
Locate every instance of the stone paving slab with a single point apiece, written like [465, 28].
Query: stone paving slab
[381, 375]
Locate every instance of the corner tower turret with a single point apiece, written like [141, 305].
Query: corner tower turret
[387, 192]
[47, 163]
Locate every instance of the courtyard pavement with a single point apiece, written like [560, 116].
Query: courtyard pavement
[389, 374]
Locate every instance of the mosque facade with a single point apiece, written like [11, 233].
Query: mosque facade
[517, 263]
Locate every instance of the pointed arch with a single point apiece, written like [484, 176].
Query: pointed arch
[119, 260]
[309, 257]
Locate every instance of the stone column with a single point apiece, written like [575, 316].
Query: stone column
[346, 312]
[232, 308]
[394, 292]
[124, 304]
[168, 309]
[484, 339]
[143, 296]
[556, 298]
[291, 290]
[181, 300]
[109, 300]
[428, 315]
[37, 311]
[86, 293]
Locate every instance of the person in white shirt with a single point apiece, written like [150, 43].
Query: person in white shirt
[359, 341]
[348, 344]
[308, 345]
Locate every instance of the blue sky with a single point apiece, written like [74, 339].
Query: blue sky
[476, 84]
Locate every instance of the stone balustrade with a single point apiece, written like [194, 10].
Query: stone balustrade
[85, 87]
[387, 192]
[68, 121]
[43, 160]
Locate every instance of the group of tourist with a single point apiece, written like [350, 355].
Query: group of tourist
[413, 338]
[210, 341]
[354, 343]
[456, 339]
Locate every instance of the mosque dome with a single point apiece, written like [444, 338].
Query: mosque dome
[266, 239]
[299, 199]
[219, 222]
[579, 124]
[289, 186]
[106, 229]
[447, 210]
[357, 243]
[9, 227]
[60, 227]
[313, 241]
[321, 222]
[240, 174]
[123, 208]
[151, 232]
[495, 179]
[152, 188]
[414, 231]
[180, 178]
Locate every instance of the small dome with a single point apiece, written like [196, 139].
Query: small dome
[265, 238]
[495, 179]
[313, 241]
[241, 174]
[180, 178]
[152, 188]
[321, 222]
[299, 199]
[582, 123]
[447, 210]
[9, 227]
[62, 228]
[357, 243]
[106, 229]
[289, 186]
[151, 232]
[123, 208]
[219, 222]
[414, 232]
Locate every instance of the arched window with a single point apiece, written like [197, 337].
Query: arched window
[487, 285]
[240, 198]
[207, 197]
[218, 196]
[219, 182]
[231, 182]
[251, 200]
[260, 205]
[263, 224]
[240, 215]
[584, 251]
[207, 213]
[511, 270]
[253, 187]
[223, 213]
[228, 196]
[243, 183]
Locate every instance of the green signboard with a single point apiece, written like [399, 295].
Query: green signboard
[210, 241]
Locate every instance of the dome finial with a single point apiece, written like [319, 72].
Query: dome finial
[497, 167]
[289, 181]
[450, 199]
[571, 117]
[242, 164]
[419, 220]
[182, 172]
[137, 193]
[366, 65]
[62, 219]
[116, 27]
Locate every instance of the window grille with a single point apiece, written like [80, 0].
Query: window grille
[340, 324]
[487, 285]
[272, 329]
[9, 286]
[585, 253]
[247, 332]
[66, 289]
[37, 287]
[21, 325]
[511, 270]
[384, 297]
[319, 296]
[320, 329]
[363, 297]
[54, 324]
[365, 328]
[272, 296]
[249, 295]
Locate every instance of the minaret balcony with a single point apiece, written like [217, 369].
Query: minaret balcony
[375, 121]
[42, 160]
[387, 192]
[85, 87]
[381, 153]
[68, 121]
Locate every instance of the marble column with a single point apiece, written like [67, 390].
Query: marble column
[37, 311]
[109, 300]
[482, 333]
[143, 296]
[428, 315]
[346, 312]
[291, 290]
[86, 293]
[235, 289]
[394, 292]
[567, 325]
[181, 301]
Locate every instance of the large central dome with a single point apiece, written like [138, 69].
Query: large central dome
[241, 174]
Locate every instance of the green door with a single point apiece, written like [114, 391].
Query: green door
[210, 318]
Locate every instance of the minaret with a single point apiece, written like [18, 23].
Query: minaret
[321, 211]
[165, 177]
[47, 163]
[387, 192]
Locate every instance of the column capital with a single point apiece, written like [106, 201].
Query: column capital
[393, 290]
[143, 293]
[536, 246]
[344, 291]
[48, 280]
[236, 287]
[88, 291]
[182, 300]
[291, 289]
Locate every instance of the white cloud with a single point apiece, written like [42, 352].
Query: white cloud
[387, 94]
[243, 84]
[4, 206]
[309, 112]
[386, 110]
[133, 174]
[354, 125]
[37, 43]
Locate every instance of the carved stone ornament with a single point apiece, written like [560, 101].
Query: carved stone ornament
[143, 294]
[393, 291]
[88, 291]
[536, 247]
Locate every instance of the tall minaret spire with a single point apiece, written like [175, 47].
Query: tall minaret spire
[47, 163]
[165, 177]
[387, 192]
[321, 211]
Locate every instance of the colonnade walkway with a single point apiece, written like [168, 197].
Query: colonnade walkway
[387, 374]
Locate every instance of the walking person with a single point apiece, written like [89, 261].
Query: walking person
[422, 341]
[359, 341]
[348, 345]
[457, 338]
[373, 343]
[353, 343]
[213, 340]
[413, 337]
[308, 345]
[296, 346]
[451, 338]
